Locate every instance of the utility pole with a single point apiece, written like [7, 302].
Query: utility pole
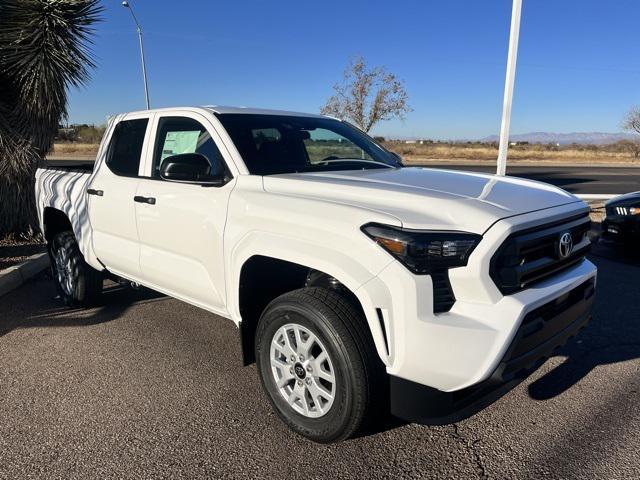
[508, 87]
[125, 4]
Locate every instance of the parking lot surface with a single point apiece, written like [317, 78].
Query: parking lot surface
[146, 386]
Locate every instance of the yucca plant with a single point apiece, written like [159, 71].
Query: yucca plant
[44, 51]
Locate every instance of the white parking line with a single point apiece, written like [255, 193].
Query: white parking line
[596, 196]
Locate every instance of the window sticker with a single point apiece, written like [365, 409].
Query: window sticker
[176, 143]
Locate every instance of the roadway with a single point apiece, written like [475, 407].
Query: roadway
[590, 180]
[599, 180]
[145, 386]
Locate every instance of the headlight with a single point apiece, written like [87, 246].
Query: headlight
[627, 210]
[424, 251]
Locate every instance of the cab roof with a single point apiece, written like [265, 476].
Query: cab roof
[222, 109]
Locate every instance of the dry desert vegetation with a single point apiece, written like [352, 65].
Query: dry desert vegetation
[416, 153]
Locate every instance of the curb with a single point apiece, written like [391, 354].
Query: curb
[15, 276]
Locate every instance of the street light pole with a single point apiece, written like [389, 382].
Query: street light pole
[508, 87]
[125, 4]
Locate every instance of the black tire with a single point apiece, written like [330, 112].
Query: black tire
[359, 373]
[77, 283]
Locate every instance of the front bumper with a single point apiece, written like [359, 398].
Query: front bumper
[541, 332]
[621, 229]
[463, 347]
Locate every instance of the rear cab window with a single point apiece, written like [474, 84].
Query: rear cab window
[125, 147]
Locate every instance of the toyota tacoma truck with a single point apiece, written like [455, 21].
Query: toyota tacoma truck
[358, 286]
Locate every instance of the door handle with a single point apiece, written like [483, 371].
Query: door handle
[93, 191]
[148, 200]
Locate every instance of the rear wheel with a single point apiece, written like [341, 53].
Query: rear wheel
[317, 363]
[78, 284]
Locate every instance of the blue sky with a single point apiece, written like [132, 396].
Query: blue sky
[578, 70]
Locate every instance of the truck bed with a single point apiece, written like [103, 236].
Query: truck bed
[64, 188]
[69, 165]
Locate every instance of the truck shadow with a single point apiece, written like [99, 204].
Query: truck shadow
[47, 310]
[613, 335]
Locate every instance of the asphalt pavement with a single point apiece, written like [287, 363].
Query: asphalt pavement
[146, 386]
[596, 180]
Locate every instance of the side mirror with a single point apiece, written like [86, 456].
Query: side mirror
[191, 168]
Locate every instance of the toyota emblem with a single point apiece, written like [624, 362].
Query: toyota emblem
[299, 369]
[565, 246]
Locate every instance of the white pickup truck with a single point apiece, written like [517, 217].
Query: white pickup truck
[358, 285]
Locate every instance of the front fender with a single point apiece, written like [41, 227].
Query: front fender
[342, 265]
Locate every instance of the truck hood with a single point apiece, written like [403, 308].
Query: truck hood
[425, 198]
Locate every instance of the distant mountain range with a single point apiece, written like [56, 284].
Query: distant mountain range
[592, 138]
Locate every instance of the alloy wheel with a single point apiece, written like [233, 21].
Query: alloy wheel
[64, 270]
[303, 370]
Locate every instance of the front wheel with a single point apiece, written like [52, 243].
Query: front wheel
[317, 364]
[77, 283]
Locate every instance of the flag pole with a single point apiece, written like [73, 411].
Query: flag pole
[508, 87]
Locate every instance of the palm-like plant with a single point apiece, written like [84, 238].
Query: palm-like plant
[44, 50]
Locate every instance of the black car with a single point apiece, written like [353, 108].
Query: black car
[622, 223]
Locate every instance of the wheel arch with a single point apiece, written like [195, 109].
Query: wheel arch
[54, 221]
[262, 278]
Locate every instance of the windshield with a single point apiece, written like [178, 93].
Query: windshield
[272, 144]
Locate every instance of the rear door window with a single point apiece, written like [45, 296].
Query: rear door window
[125, 149]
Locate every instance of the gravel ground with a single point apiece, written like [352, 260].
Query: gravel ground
[149, 387]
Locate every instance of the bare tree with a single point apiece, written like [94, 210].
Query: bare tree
[367, 96]
[631, 122]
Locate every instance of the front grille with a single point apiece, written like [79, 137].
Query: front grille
[531, 255]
